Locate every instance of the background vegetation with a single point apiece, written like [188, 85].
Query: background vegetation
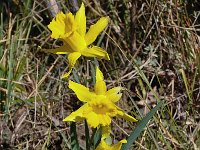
[154, 47]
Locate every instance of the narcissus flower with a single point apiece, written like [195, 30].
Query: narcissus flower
[99, 105]
[104, 146]
[71, 30]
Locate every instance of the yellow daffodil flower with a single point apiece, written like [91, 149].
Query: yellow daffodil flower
[71, 30]
[99, 104]
[104, 146]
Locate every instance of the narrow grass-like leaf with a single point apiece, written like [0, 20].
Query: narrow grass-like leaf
[66, 142]
[97, 137]
[10, 76]
[74, 138]
[142, 75]
[141, 125]
[1, 34]
[47, 141]
[87, 136]
[93, 72]
[92, 137]
[75, 75]
[186, 86]
[2, 68]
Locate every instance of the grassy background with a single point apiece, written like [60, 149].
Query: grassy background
[154, 51]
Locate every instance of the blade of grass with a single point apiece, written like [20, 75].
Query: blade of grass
[47, 141]
[187, 88]
[142, 75]
[2, 72]
[141, 125]
[10, 76]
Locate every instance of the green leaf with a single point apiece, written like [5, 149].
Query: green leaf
[141, 125]
[87, 135]
[74, 138]
[97, 137]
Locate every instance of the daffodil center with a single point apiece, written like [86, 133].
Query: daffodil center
[101, 105]
[63, 25]
[70, 24]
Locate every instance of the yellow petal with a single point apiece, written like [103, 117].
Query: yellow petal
[99, 75]
[80, 20]
[129, 118]
[95, 51]
[81, 91]
[92, 120]
[104, 146]
[114, 90]
[77, 115]
[72, 58]
[60, 50]
[105, 120]
[125, 116]
[118, 145]
[66, 75]
[100, 86]
[113, 95]
[95, 30]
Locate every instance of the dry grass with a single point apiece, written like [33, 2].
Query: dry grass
[154, 50]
